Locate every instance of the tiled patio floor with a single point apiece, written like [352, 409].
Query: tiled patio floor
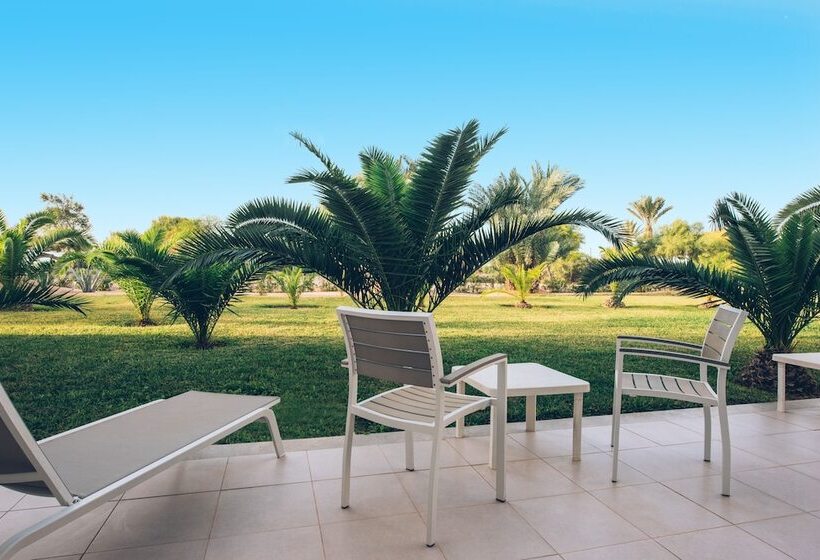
[238, 503]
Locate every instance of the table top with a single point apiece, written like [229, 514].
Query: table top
[804, 359]
[525, 380]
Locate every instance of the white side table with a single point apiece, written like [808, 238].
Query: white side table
[530, 380]
[809, 360]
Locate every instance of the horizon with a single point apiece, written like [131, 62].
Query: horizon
[141, 111]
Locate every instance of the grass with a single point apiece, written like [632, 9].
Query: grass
[63, 370]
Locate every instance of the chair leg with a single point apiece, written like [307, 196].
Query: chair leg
[491, 460]
[270, 420]
[346, 457]
[726, 446]
[616, 429]
[460, 389]
[432, 489]
[707, 432]
[499, 436]
[409, 453]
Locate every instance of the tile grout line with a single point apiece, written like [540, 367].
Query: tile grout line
[216, 509]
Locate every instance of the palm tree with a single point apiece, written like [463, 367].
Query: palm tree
[293, 281]
[28, 251]
[150, 267]
[649, 210]
[775, 273]
[522, 280]
[541, 195]
[387, 241]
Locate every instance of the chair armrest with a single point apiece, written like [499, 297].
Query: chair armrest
[664, 341]
[677, 356]
[471, 368]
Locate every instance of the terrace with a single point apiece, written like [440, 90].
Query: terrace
[240, 502]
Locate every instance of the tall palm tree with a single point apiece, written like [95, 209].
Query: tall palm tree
[541, 195]
[390, 242]
[28, 250]
[649, 210]
[775, 274]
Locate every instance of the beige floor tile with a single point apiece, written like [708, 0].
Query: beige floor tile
[657, 510]
[72, 539]
[745, 504]
[476, 449]
[160, 520]
[792, 487]
[810, 469]
[594, 471]
[448, 456]
[9, 498]
[798, 535]
[776, 450]
[665, 463]
[576, 522]
[192, 550]
[266, 469]
[662, 432]
[202, 475]
[741, 460]
[762, 423]
[806, 438]
[489, 532]
[458, 487]
[265, 508]
[719, 544]
[30, 501]
[809, 419]
[370, 496]
[399, 537]
[326, 464]
[640, 550]
[601, 437]
[303, 543]
[551, 443]
[531, 479]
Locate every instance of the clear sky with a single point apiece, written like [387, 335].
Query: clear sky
[183, 108]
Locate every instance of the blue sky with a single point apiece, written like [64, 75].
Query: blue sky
[140, 109]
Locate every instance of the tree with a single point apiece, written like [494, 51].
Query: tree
[389, 242]
[28, 252]
[679, 240]
[649, 210]
[522, 280]
[177, 228]
[541, 195]
[67, 212]
[293, 281]
[775, 275]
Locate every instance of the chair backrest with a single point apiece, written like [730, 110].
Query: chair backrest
[391, 345]
[723, 332]
[23, 466]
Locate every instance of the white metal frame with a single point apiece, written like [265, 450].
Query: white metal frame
[77, 506]
[809, 360]
[715, 351]
[440, 419]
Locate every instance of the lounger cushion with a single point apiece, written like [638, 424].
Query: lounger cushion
[93, 457]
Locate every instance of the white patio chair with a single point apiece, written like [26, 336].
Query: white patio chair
[715, 351]
[404, 348]
[85, 467]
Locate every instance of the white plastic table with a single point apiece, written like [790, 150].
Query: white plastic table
[809, 360]
[530, 380]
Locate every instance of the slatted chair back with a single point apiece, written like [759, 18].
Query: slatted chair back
[393, 346]
[723, 332]
[23, 466]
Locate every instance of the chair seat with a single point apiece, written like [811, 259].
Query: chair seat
[93, 457]
[418, 405]
[667, 386]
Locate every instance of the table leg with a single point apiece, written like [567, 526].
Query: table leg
[577, 414]
[460, 388]
[531, 413]
[781, 387]
[491, 462]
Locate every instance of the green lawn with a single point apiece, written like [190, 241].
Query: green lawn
[63, 370]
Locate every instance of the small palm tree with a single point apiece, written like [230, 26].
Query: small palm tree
[774, 273]
[649, 210]
[28, 251]
[293, 281]
[521, 279]
[389, 241]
